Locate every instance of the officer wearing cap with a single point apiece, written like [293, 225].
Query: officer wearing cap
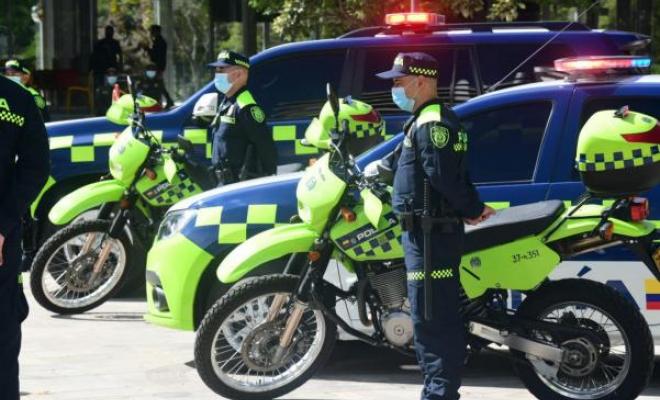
[19, 73]
[433, 156]
[242, 145]
[24, 168]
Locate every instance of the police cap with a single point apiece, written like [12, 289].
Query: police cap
[412, 64]
[227, 58]
[16, 66]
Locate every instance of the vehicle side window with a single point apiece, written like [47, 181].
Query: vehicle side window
[504, 143]
[456, 82]
[496, 61]
[293, 87]
[645, 105]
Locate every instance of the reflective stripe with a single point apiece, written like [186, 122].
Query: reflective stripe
[259, 217]
[262, 214]
[227, 120]
[60, 142]
[444, 273]
[430, 113]
[284, 132]
[617, 160]
[208, 216]
[196, 136]
[245, 99]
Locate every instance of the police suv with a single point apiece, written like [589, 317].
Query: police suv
[522, 150]
[474, 59]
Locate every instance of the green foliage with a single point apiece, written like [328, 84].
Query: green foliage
[300, 19]
[19, 24]
[131, 20]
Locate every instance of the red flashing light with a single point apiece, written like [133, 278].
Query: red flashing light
[601, 63]
[416, 18]
[639, 209]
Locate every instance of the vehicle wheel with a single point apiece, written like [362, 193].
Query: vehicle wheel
[63, 280]
[618, 367]
[235, 345]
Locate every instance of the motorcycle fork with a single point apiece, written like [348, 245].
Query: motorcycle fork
[311, 273]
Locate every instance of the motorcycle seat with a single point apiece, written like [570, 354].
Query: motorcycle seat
[511, 224]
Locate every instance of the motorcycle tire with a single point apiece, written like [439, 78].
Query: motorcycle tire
[620, 310]
[53, 245]
[237, 296]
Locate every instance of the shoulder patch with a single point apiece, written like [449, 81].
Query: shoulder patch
[257, 113]
[439, 136]
[41, 102]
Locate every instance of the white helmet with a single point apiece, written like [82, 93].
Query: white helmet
[206, 106]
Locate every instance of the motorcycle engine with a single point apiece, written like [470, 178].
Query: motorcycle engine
[389, 283]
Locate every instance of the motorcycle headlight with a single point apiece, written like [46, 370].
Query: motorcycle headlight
[173, 223]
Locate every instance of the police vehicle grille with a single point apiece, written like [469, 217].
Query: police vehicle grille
[390, 286]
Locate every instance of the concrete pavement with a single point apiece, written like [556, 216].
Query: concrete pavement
[111, 354]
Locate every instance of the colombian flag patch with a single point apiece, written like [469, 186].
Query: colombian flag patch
[652, 287]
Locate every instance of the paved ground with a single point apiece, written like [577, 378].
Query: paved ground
[112, 354]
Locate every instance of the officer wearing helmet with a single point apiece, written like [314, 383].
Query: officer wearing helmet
[19, 73]
[433, 196]
[243, 147]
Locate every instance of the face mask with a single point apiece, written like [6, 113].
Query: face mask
[111, 80]
[150, 74]
[401, 100]
[221, 82]
[15, 78]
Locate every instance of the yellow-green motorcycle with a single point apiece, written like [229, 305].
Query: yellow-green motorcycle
[84, 264]
[571, 339]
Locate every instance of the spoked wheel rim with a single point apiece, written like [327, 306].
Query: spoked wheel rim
[66, 277]
[588, 371]
[241, 351]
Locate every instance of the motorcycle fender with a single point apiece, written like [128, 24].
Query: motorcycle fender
[83, 199]
[264, 247]
[588, 218]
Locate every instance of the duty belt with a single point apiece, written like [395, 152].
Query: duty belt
[411, 221]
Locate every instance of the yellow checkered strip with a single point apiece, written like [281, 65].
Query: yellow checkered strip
[8, 116]
[423, 71]
[444, 273]
[263, 216]
[616, 160]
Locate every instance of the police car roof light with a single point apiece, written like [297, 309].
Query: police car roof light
[601, 63]
[415, 18]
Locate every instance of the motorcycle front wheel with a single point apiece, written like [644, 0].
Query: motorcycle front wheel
[236, 345]
[616, 362]
[68, 277]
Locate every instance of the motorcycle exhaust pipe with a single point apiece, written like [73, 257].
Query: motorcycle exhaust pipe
[515, 342]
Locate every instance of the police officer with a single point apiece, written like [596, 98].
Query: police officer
[24, 167]
[243, 148]
[433, 157]
[19, 73]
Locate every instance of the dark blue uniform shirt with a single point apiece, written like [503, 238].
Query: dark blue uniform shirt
[241, 126]
[24, 154]
[435, 146]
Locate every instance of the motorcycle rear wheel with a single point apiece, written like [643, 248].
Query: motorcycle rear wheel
[619, 367]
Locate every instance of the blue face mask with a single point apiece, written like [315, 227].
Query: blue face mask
[401, 100]
[150, 74]
[15, 78]
[221, 82]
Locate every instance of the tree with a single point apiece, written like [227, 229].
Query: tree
[17, 28]
[301, 19]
